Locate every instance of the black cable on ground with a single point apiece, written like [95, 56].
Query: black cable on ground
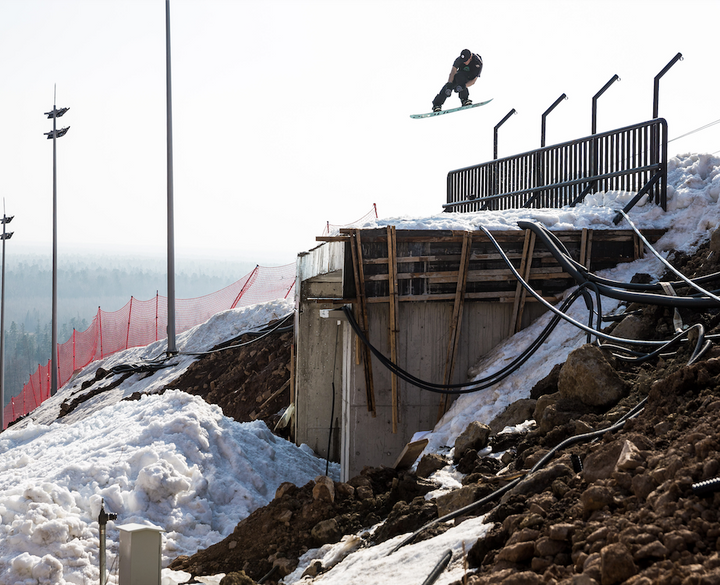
[262, 333]
[439, 568]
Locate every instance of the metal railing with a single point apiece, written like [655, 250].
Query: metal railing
[631, 159]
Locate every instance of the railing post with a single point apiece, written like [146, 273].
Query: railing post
[595, 99]
[127, 334]
[545, 115]
[656, 85]
[594, 144]
[495, 132]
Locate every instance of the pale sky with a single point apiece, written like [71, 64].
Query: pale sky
[289, 114]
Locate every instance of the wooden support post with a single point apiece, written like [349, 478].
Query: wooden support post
[520, 292]
[362, 317]
[526, 278]
[393, 324]
[456, 320]
[587, 261]
[583, 246]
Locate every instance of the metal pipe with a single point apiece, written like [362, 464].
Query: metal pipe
[495, 132]
[103, 518]
[545, 115]
[5, 236]
[656, 85]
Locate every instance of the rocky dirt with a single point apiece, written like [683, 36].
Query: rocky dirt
[625, 507]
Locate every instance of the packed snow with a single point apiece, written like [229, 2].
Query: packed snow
[173, 461]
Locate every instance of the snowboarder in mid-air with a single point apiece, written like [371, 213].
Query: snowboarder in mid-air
[465, 72]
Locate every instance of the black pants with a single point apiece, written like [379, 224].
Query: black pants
[460, 79]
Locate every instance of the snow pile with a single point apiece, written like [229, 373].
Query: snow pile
[170, 460]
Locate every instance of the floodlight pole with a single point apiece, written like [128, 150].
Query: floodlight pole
[545, 115]
[171, 348]
[55, 134]
[656, 85]
[495, 132]
[5, 236]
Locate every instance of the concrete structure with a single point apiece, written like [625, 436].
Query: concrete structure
[434, 302]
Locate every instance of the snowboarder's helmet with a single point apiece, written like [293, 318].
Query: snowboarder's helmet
[466, 54]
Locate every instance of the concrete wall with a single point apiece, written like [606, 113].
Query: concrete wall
[422, 345]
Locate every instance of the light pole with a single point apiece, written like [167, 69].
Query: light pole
[54, 135]
[5, 236]
[171, 348]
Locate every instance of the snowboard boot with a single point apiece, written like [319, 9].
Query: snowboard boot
[467, 103]
[437, 108]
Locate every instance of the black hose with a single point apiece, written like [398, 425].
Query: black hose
[439, 568]
[611, 290]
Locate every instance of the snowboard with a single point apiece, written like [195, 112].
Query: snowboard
[429, 114]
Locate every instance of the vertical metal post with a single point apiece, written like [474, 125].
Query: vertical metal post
[55, 134]
[595, 99]
[172, 348]
[594, 153]
[656, 85]
[5, 236]
[545, 115]
[103, 518]
[53, 336]
[495, 132]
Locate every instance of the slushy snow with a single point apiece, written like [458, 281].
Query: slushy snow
[173, 461]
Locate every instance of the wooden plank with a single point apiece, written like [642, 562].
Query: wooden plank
[588, 250]
[456, 319]
[362, 310]
[526, 278]
[451, 276]
[518, 286]
[494, 296]
[393, 324]
[410, 453]
[583, 246]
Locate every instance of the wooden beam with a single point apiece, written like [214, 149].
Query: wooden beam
[517, 324]
[361, 308]
[393, 324]
[519, 287]
[456, 319]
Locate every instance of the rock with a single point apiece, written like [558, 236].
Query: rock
[344, 490]
[236, 578]
[616, 564]
[643, 485]
[545, 547]
[455, 500]
[561, 531]
[283, 488]
[517, 553]
[601, 463]
[652, 550]
[543, 478]
[363, 492]
[475, 436]
[326, 532]
[630, 457]
[595, 497]
[523, 578]
[518, 412]
[324, 489]
[429, 464]
[548, 385]
[588, 377]
[631, 327]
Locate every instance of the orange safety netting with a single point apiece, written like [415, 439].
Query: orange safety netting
[331, 228]
[140, 323]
